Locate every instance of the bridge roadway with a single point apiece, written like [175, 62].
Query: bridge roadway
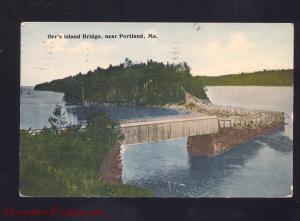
[169, 128]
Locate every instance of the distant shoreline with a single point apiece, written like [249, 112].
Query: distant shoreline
[258, 78]
[206, 86]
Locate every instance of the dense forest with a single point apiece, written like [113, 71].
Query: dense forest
[259, 78]
[150, 83]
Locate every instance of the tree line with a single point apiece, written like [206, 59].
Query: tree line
[258, 78]
[144, 83]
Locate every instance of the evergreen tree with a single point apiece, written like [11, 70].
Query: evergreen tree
[150, 83]
[58, 118]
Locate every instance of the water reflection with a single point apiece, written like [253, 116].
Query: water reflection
[126, 112]
[259, 168]
[196, 176]
[278, 142]
[37, 106]
[229, 161]
[196, 179]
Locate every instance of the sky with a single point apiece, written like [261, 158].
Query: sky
[210, 49]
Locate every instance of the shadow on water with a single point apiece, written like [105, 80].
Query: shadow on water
[80, 112]
[164, 171]
[199, 174]
[238, 154]
[196, 179]
[124, 112]
[217, 167]
[278, 142]
[165, 168]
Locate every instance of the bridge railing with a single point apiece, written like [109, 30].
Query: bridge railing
[253, 121]
[167, 117]
[239, 117]
[207, 107]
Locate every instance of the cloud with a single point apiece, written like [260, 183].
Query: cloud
[234, 54]
[239, 42]
[212, 48]
[216, 49]
[83, 47]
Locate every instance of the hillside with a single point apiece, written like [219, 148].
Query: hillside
[259, 78]
[150, 83]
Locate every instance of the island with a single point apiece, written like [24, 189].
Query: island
[150, 83]
[94, 150]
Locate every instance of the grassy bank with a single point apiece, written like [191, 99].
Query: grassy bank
[259, 78]
[64, 160]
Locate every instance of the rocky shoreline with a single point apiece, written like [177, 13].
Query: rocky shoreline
[200, 145]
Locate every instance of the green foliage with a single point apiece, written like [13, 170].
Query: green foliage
[102, 129]
[58, 120]
[150, 83]
[260, 78]
[66, 162]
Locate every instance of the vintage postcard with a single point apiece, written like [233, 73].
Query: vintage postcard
[189, 110]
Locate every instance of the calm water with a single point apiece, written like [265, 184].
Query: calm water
[37, 106]
[260, 168]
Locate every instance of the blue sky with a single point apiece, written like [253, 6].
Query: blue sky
[209, 48]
